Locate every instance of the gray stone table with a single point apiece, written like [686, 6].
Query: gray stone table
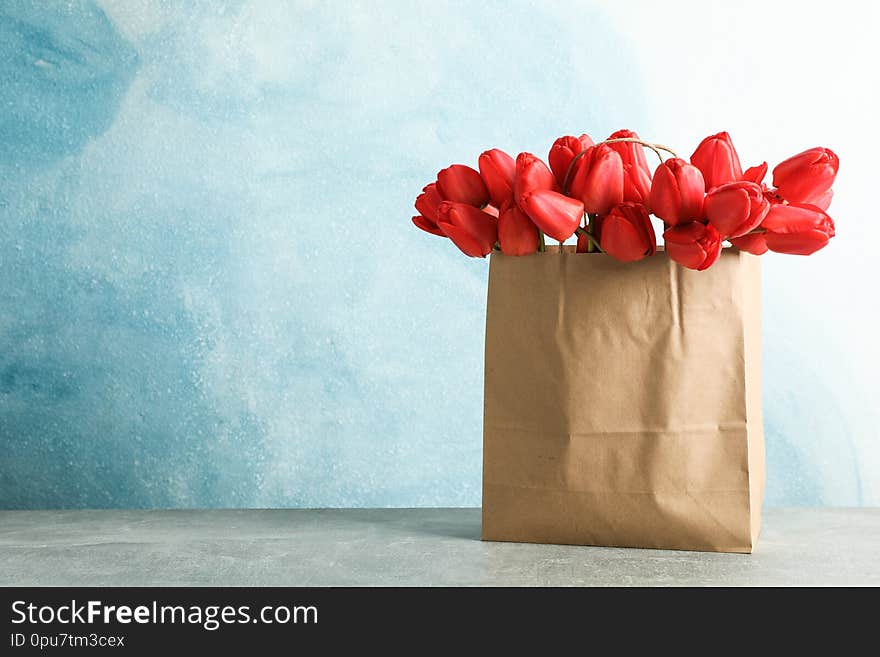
[403, 547]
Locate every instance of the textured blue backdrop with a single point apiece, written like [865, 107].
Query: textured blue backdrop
[210, 291]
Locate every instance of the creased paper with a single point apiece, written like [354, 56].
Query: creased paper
[623, 402]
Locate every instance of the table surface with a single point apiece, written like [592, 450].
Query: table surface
[403, 547]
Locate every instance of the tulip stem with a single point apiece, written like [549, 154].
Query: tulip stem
[631, 140]
[541, 245]
[591, 228]
[593, 244]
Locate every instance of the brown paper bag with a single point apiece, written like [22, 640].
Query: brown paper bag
[623, 402]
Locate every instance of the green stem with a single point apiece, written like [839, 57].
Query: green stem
[541, 245]
[593, 244]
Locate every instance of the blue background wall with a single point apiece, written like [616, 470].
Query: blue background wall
[210, 290]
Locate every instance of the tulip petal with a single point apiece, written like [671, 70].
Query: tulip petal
[464, 240]
[692, 188]
[472, 230]
[636, 174]
[498, 171]
[713, 252]
[753, 243]
[428, 202]
[556, 215]
[677, 192]
[822, 201]
[531, 174]
[691, 255]
[717, 159]
[517, 235]
[728, 209]
[797, 218]
[694, 245]
[601, 180]
[804, 243]
[756, 173]
[621, 240]
[684, 233]
[665, 197]
[462, 184]
[427, 225]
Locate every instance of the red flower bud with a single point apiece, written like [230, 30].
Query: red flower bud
[752, 243]
[517, 235]
[736, 208]
[677, 192]
[498, 170]
[597, 179]
[472, 230]
[716, 158]
[797, 228]
[563, 151]
[807, 177]
[461, 184]
[626, 233]
[694, 245]
[531, 174]
[636, 174]
[556, 215]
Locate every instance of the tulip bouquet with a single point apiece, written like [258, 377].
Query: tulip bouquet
[604, 193]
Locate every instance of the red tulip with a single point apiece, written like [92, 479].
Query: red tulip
[556, 215]
[563, 151]
[677, 192]
[797, 228]
[473, 231]
[716, 158]
[752, 243]
[583, 244]
[626, 233]
[736, 208]
[428, 202]
[531, 174]
[517, 235]
[597, 179]
[461, 184]
[694, 245]
[755, 174]
[498, 170]
[807, 177]
[636, 174]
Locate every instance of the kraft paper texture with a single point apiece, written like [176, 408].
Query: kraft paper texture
[623, 402]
